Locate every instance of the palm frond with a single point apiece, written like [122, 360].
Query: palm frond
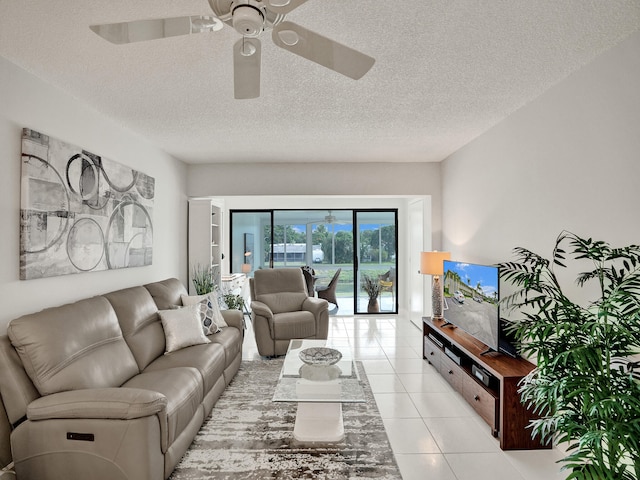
[573, 389]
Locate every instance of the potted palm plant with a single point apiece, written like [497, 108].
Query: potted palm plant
[584, 397]
[372, 287]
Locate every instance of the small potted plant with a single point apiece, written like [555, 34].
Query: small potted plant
[372, 287]
[202, 278]
[233, 301]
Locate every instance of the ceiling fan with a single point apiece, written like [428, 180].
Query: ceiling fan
[332, 219]
[250, 18]
[329, 218]
[316, 217]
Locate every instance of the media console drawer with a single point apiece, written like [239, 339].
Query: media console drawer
[452, 373]
[482, 401]
[432, 354]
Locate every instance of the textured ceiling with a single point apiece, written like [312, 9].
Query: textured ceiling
[446, 71]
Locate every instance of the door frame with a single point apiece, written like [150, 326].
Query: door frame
[356, 261]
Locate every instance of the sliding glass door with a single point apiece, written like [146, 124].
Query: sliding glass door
[376, 272]
[326, 243]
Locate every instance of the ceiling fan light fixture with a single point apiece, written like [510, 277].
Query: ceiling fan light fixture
[248, 20]
[279, 3]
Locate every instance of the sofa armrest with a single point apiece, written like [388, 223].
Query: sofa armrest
[234, 318]
[315, 305]
[105, 403]
[261, 309]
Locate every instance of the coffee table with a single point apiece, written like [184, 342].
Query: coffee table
[319, 391]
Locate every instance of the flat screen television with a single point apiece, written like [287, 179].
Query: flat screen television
[471, 294]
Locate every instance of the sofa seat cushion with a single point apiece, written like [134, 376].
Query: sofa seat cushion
[208, 359]
[183, 388]
[290, 325]
[230, 339]
[72, 347]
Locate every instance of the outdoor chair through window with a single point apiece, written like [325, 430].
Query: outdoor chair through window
[387, 283]
[328, 292]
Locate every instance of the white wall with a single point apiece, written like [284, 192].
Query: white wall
[568, 160]
[26, 101]
[330, 185]
[324, 180]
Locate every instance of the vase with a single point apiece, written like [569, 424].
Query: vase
[373, 306]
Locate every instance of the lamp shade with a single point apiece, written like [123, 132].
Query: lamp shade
[431, 262]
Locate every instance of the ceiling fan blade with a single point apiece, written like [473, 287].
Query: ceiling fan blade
[246, 68]
[283, 6]
[321, 50]
[142, 30]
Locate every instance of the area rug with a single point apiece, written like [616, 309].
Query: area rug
[249, 437]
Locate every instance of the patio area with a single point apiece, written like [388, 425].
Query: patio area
[344, 290]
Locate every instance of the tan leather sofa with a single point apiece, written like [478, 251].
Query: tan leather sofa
[89, 393]
[282, 310]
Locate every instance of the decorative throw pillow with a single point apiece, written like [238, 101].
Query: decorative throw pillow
[212, 308]
[182, 328]
[209, 326]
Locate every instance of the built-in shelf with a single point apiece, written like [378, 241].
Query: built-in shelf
[205, 236]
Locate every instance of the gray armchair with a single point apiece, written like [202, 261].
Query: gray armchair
[281, 310]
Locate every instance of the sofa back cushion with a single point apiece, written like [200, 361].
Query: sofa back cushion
[141, 327]
[281, 289]
[166, 293]
[75, 346]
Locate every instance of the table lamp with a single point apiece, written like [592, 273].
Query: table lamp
[432, 263]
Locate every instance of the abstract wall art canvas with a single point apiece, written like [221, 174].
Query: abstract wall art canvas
[80, 212]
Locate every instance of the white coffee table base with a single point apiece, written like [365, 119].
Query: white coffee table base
[319, 422]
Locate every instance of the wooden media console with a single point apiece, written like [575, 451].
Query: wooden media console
[487, 381]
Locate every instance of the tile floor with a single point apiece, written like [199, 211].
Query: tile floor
[434, 434]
